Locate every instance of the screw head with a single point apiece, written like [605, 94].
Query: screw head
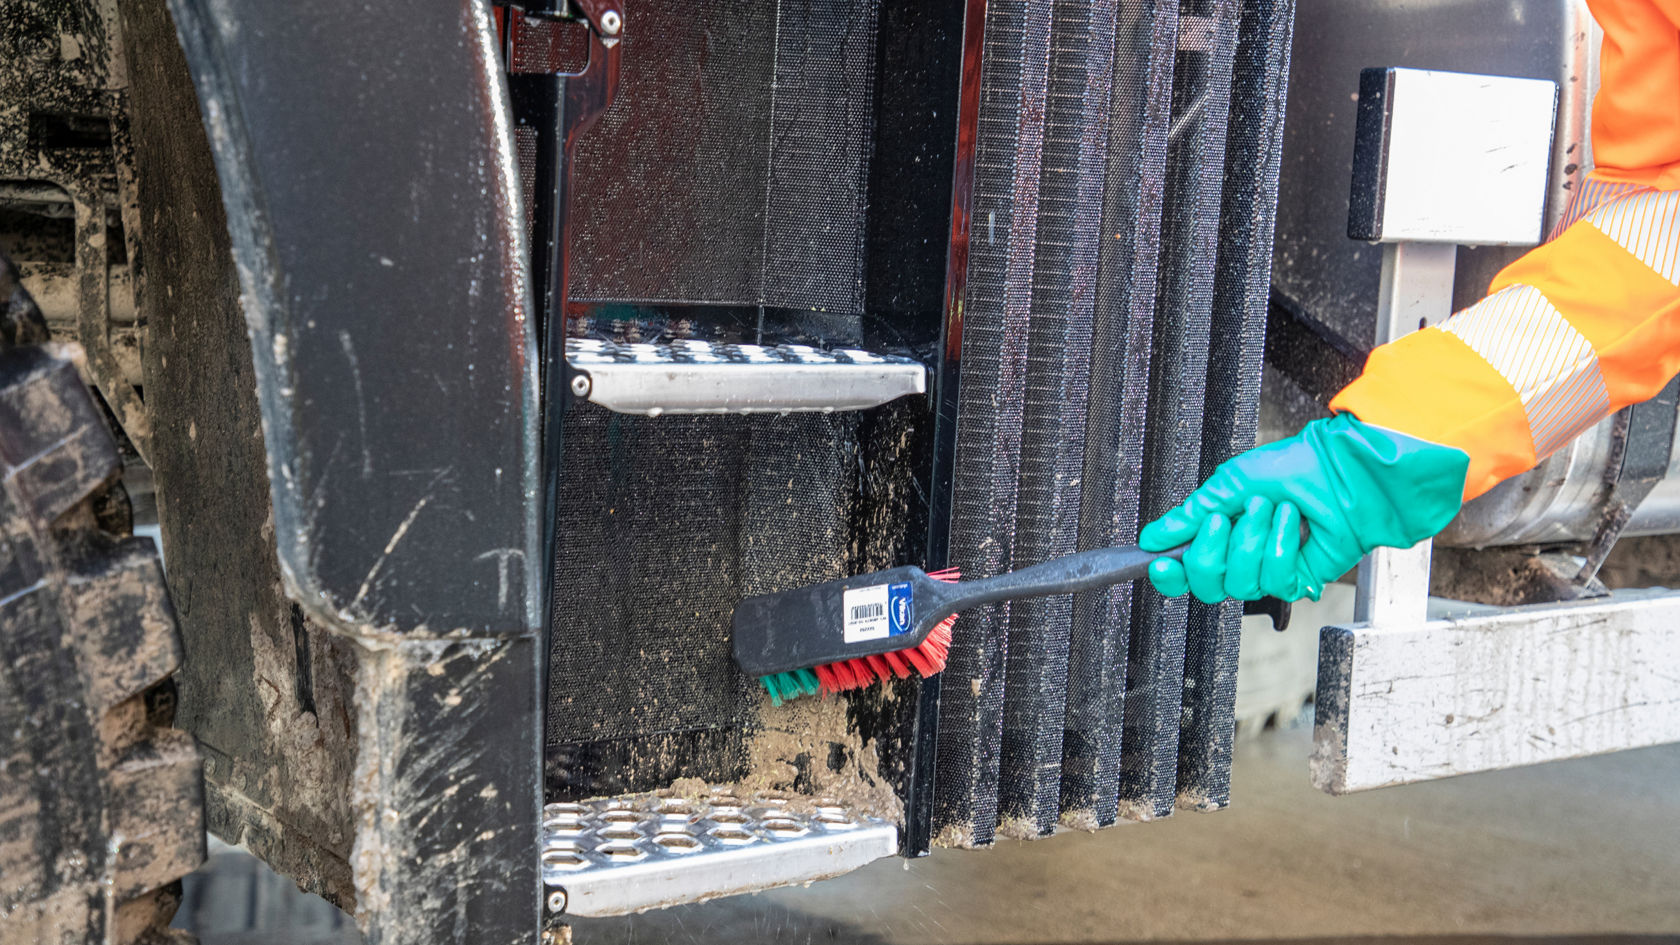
[611, 22]
[580, 385]
[557, 901]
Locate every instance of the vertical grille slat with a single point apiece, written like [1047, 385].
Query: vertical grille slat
[1178, 382]
[1057, 393]
[1129, 246]
[1252, 155]
[1014, 73]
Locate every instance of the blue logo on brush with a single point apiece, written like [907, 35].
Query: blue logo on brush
[901, 610]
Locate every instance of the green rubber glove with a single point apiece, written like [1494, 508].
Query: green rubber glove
[1357, 486]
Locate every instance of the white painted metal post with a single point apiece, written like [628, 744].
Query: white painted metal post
[1416, 290]
[1448, 160]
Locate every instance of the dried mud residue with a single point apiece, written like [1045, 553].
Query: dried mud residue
[1083, 818]
[805, 751]
[1020, 828]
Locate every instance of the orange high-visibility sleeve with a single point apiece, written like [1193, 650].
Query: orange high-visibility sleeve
[1581, 326]
[1431, 385]
[1636, 115]
[1572, 331]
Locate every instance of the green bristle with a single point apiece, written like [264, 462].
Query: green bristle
[808, 683]
[790, 685]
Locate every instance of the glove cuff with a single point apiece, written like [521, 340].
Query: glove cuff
[1397, 489]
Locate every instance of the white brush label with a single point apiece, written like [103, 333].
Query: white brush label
[875, 612]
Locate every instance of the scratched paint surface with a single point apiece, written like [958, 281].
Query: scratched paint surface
[1483, 693]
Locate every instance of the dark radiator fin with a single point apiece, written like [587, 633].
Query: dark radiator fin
[1254, 145]
[1145, 35]
[1009, 139]
[820, 135]
[1057, 394]
[1172, 466]
[667, 523]
[731, 167]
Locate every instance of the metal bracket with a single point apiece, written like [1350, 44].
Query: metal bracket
[1403, 698]
[1642, 440]
[1440, 158]
[555, 110]
[700, 377]
[618, 855]
[606, 20]
[1519, 686]
[1416, 290]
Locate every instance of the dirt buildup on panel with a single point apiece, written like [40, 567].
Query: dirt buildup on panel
[806, 752]
[1081, 819]
[807, 747]
[1019, 828]
[958, 836]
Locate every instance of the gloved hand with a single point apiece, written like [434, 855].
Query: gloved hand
[1357, 486]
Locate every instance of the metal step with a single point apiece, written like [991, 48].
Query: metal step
[703, 377]
[618, 855]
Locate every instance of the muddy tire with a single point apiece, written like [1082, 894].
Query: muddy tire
[100, 801]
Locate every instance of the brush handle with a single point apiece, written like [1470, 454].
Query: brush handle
[1076, 572]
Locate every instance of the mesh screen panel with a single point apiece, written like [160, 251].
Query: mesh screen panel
[731, 168]
[548, 46]
[1253, 151]
[1129, 243]
[1008, 144]
[1178, 380]
[1057, 391]
[819, 152]
[525, 145]
[664, 525]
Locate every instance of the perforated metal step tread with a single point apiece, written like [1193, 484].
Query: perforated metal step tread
[703, 377]
[615, 856]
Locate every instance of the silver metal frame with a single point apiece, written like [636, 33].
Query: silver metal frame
[618, 855]
[685, 377]
[1403, 698]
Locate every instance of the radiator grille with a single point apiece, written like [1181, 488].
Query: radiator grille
[1124, 186]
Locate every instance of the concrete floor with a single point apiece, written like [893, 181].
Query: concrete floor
[1586, 849]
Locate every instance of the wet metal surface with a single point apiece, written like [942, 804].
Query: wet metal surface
[1570, 852]
[692, 376]
[612, 856]
[1583, 848]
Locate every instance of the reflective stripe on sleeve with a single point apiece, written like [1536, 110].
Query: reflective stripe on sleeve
[1592, 194]
[1646, 225]
[1551, 366]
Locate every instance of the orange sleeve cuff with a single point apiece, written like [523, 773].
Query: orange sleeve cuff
[1432, 386]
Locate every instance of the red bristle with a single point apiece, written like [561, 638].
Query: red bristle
[861, 673]
[900, 668]
[919, 661]
[940, 637]
[847, 671]
[839, 677]
[926, 659]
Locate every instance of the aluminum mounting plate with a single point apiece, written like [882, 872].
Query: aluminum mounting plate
[702, 377]
[618, 855]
